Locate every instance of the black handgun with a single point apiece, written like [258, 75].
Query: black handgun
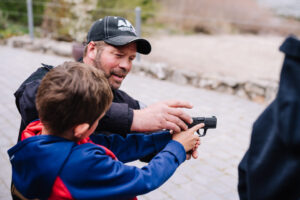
[210, 122]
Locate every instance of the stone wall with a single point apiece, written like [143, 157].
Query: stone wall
[262, 91]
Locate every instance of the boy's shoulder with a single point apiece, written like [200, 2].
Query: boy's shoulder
[89, 150]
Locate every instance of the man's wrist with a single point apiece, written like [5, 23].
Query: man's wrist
[135, 125]
[142, 105]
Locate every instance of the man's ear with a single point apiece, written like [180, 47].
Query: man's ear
[91, 50]
[81, 130]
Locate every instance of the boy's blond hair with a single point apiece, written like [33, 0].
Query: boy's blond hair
[71, 94]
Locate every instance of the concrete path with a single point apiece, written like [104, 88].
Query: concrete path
[212, 176]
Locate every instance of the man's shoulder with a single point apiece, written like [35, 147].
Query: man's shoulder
[39, 73]
[35, 76]
[120, 92]
[122, 97]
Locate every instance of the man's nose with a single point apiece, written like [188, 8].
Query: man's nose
[126, 64]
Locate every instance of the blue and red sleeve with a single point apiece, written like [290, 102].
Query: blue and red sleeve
[134, 146]
[91, 174]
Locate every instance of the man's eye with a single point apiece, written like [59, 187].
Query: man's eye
[119, 55]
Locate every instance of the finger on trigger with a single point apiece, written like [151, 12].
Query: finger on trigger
[196, 127]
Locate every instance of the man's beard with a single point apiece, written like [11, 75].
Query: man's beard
[120, 72]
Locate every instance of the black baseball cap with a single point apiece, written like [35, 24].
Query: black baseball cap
[117, 31]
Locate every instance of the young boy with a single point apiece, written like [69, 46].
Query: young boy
[58, 158]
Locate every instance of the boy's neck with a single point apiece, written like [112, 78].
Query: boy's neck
[67, 135]
[45, 131]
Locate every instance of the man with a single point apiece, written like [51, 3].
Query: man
[112, 45]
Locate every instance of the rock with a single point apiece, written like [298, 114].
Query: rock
[254, 89]
[33, 47]
[271, 91]
[158, 70]
[205, 83]
[241, 92]
[225, 88]
[178, 77]
[210, 81]
[194, 80]
[155, 70]
[62, 49]
[229, 81]
[19, 42]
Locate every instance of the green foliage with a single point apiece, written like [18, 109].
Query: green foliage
[57, 19]
[12, 29]
[3, 20]
[16, 10]
[126, 8]
[8, 29]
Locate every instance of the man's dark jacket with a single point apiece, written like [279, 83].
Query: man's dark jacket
[118, 118]
[270, 168]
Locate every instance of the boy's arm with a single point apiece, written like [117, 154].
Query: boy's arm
[134, 146]
[101, 177]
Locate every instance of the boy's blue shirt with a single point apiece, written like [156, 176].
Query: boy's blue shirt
[87, 171]
[36, 162]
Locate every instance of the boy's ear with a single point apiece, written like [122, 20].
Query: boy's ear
[80, 130]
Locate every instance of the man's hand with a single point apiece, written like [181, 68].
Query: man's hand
[161, 115]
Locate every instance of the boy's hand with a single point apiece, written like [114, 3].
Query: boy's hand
[189, 140]
[193, 153]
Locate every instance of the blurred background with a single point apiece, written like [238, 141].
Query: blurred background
[230, 46]
[69, 20]
[220, 55]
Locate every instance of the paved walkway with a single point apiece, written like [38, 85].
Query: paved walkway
[212, 176]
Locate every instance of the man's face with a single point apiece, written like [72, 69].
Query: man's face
[116, 62]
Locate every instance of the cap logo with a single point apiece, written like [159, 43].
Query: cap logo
[124, 25]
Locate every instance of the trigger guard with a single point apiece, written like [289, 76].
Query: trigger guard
[203, 134]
